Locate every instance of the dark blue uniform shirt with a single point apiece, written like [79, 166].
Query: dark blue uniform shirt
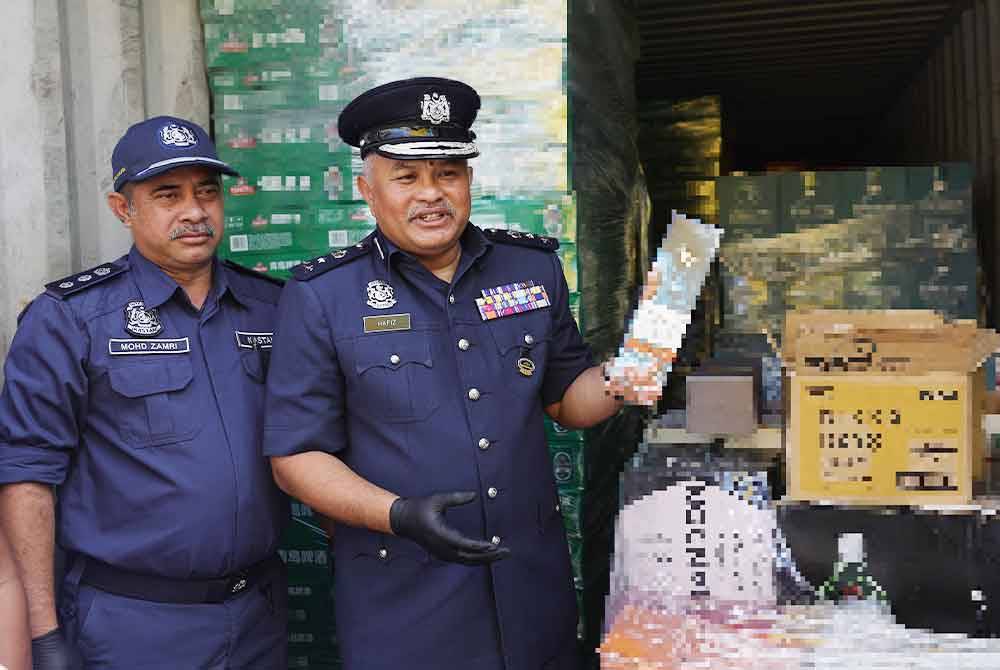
[431, 399]
[154, 441]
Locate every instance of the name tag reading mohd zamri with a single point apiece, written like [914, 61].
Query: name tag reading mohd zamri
[123, 347]
[387, 323]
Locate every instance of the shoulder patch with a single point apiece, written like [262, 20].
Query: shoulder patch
[244, 270]
[317, 266]
[521, 239]
[80, 281]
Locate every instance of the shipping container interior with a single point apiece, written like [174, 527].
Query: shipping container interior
[878, 109]
[835, 84]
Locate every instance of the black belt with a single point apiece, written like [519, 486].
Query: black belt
[179, 591]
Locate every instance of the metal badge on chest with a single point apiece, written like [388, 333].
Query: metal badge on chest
[380, 295]
[142, 322]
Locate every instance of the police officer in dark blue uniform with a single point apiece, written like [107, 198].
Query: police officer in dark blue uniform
[136, 388]
[406, 399]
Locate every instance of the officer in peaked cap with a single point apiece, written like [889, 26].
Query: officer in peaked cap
[135, 389]
[406, 401]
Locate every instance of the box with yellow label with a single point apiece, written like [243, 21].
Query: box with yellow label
[884, 407]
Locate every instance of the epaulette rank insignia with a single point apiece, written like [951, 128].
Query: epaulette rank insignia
[242, 269]
[317, 266]
[521, 239]
[67, 286]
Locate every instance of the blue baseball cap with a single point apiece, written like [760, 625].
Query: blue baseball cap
[159, 144]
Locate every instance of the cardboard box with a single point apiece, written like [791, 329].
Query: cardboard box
[884, 406]
[722, 404]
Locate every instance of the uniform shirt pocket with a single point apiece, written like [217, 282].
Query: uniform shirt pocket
[394, 372]
[150, 410]
[523, 344]
[255, 364]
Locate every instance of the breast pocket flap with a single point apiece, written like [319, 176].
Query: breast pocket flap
[394, 353]
[137, 381]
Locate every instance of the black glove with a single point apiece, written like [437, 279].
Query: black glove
[49, 652]
[422, 520]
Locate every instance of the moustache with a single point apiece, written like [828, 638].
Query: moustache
[197, 229]
[417, 211]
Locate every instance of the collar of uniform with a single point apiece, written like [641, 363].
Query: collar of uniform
[220, 282]
[154, 284]
[157, 287]
[474, 245]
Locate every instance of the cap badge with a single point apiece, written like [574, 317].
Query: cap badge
[175, 135]
[142, 322]
[435, 108]
[380, 295]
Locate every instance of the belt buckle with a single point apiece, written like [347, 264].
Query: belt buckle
[238, 583]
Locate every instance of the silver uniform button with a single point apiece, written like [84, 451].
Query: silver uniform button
[383, 553]
[394, 359]
[528, 339]
[484, 444]
[463, 344]
[451, 299]
[473, 394]
[495, 539]
[492, 492]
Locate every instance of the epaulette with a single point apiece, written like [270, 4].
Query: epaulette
[521, 239]
[67, 286]
[242, 269]
[317, 266]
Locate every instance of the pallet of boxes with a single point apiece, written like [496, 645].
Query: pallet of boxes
[885, 407]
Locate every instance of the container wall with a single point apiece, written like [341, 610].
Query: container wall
[949, 110]
[75, 76]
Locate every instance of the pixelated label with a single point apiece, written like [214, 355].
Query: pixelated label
[898, 439]
[695, 540]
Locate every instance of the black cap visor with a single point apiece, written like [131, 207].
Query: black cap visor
[420, 142]
[160, 167]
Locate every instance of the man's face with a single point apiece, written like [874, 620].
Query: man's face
[422, 206]
[175, 218]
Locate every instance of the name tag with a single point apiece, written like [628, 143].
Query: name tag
[254, 340]
[123, 347]
[387, 323]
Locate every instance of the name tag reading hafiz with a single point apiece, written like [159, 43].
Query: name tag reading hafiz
[123, 347]
[386, 323]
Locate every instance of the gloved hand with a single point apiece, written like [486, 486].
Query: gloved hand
[422, 520]
[50, 652]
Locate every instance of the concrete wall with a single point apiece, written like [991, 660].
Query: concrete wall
[75, 75]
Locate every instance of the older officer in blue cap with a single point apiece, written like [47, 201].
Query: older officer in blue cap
[136, 389]
[405, 401]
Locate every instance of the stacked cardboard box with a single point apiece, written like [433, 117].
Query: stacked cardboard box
[879, 238]
[885, 407]
[899, 238]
